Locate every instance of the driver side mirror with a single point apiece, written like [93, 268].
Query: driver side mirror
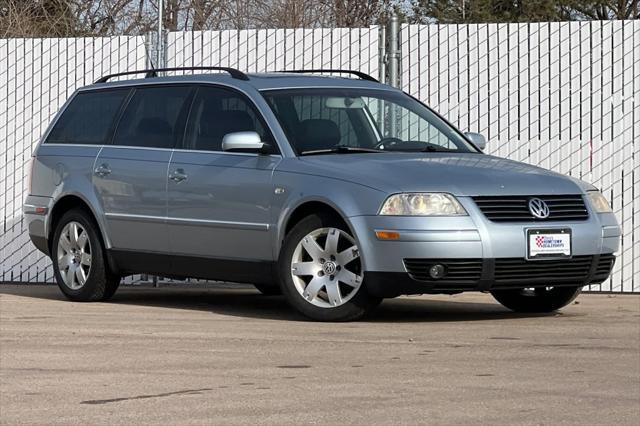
[244, 142]
[477, 139]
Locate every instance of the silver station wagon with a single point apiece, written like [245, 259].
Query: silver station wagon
[336, 192]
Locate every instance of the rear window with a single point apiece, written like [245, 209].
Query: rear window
[88, 118]
[154, 118]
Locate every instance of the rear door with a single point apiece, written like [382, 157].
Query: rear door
[131, 174]
[219, 202]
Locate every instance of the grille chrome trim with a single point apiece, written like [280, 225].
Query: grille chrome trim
[516, 208]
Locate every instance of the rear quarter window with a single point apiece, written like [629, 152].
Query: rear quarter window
[88, 118]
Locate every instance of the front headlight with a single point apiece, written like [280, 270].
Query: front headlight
[599, 203]
[422, 204]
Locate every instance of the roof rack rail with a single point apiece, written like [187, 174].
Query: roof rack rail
[150, 73]
[318, 71]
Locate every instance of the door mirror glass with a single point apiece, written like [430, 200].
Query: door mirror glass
[244, 142]
[477, 139]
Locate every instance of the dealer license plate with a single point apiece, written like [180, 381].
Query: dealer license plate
[546, 243]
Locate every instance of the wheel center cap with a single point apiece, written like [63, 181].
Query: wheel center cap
[329, 267]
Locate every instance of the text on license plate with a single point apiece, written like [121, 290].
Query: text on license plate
[544, 244]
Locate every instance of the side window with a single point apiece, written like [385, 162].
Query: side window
[154, 117]
[88, 118]
[216, 112]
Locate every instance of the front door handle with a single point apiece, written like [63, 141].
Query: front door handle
[102, 170]
[178, 176]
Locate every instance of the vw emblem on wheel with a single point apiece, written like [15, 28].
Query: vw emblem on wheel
[538, 208]
[329, 268]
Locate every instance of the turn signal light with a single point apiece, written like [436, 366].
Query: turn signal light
[388, 235]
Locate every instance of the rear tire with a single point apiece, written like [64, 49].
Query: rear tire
[537, 300]
[321, 273]
[78, 257]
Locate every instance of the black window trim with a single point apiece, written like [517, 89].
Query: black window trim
[132, 91]
[132, 86]
[259, 115]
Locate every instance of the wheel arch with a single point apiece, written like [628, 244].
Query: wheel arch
[64, 204]
[305, 208]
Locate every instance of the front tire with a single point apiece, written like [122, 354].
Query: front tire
[537, 300]
[78, 259]
[321, 272]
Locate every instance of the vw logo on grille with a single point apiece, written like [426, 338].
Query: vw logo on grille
[538, 208]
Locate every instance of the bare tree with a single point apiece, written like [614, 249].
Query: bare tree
[457, 11]
[204, 14]
[603, 9]
[52, 18]
[359, 13]
[290, 13]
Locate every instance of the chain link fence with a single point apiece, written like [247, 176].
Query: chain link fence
[559, 95]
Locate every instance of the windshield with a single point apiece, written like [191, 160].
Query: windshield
[319, 121]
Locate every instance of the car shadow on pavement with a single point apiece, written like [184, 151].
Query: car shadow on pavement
[249, 303]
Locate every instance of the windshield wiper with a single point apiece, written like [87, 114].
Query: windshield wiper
[431, 148]
[340, 149]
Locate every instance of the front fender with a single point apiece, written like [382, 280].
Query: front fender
[346, 198]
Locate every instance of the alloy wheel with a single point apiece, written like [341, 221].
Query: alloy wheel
[326, 267]
[74, 255]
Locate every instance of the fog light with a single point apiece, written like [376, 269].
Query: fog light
[437, 271]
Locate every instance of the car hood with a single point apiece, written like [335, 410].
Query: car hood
[459, 174]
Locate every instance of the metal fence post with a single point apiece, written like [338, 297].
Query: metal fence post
[392, 63]
[382, 54]
[394, 52]
[160, 44]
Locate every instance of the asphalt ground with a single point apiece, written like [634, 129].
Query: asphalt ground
[194, 355]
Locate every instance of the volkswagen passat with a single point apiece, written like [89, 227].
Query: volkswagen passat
[337, 192]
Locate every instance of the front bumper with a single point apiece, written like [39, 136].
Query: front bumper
[491, 274]
[490, 249]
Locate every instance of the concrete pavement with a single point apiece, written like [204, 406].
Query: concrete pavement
[231, 356]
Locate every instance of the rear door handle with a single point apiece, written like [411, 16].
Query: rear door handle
[178, 176]
[102, 170]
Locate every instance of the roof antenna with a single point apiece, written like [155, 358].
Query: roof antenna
[152, 73]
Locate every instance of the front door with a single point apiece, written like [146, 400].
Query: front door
[219, 202]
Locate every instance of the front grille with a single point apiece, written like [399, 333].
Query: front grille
[516, 208]
[603, 268]
[465, 270]
[518, 270]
